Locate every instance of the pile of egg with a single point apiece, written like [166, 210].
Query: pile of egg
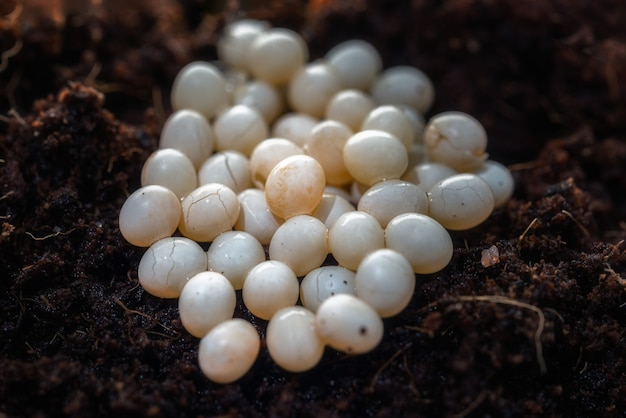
[278, 162]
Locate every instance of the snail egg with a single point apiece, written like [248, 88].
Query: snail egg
[295, 127]
[149, 214]
[426, 175]
[229, 350]
[331, 208]
[262, 96]
[230, 168]
[323, 282]
[190, 133]
[311, 88]
[349, 107]
[267, 154]
[276, 55]
[499, 179]
[460, 202]
[167, 265]
[206, 300]
[295, 186]
[357, 63]
[326, 145]
[270, 286]
[172, 169]
[422, 240]
[404, 85]
[234, 254]
[371, 156]
[390, 198]
[353, 236]
[255, 216]
[234, 44]
[292, 339]
[208, 211]
[348, 324]
[457, 140]
[301, 243]
[240, 128]
[385, 281]
[393, 120]
[199, 86]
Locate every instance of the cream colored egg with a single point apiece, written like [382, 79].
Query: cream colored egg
[323, 282]
[269, 287]
[199, 86]
[295, 186]
[331, 208]
[353, 236]
[499, 179]
[372, 156]
[234, 45]
[229, 350]
[208, 211]
[390, 198]
[295, 127]
[189, 132]
[357, 62]
[422, 240]
[312, 87]
[149, 214]
[292, 339]
[385, 281]
[230, 168]
[326, 145]
[240, 128]
[255, 216]
[393, 120]
[170, 168]
[167, 265]
[427, 174]
[301, 243]
[276, 55]
[460, 202]
[348, 324]
[349, 107]
[404, 85]
[262, 96]
[267, 154]
[457, 140]
[206, 300]
[234, 254]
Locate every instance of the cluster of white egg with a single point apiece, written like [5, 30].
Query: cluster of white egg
[278, 163]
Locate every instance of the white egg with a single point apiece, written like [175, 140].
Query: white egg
[199, 86]
[292, 339]
[348, 324]
[323, 282]
[390, 198]
[353, 236]
[206, 300]
[229, 350]
[167, 265]
[270, 286]
[234, 254]
[385, 281]
[255, 216]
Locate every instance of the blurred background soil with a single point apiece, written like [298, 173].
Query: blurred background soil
[534, 327]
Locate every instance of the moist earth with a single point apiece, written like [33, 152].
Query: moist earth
[529, 318]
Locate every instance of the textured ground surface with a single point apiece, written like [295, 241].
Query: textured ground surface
[539, 330]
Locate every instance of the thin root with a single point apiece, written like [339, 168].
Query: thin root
[386, 364]
[11, 52]
[528, 228]
[582, 228]
[512, 302]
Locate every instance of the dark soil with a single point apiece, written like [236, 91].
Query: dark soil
[537, 330]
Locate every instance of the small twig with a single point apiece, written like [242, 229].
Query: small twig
[11, 52]
[528, 228]
[512, 302]
[472, 406]
[370, 389]
[582, 228]
[55, 234]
